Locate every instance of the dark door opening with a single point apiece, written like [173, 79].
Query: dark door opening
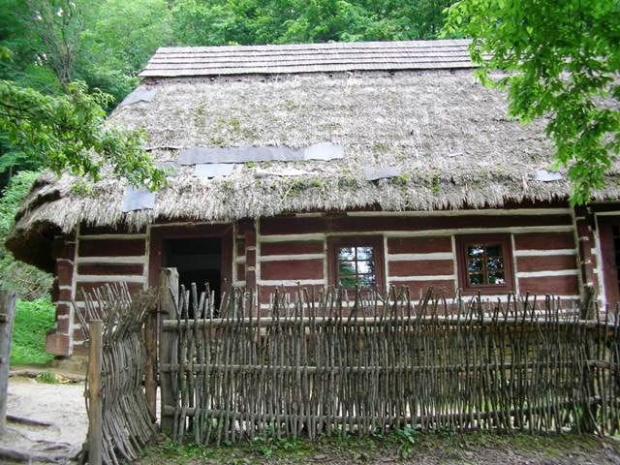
[198, 260]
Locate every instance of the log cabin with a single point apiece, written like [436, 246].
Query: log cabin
[371, 164]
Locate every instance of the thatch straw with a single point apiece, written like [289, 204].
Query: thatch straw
[450, 137]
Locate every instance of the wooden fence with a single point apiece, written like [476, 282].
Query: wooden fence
[327, 364]
[120, 421]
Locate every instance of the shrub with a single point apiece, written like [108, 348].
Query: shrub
[32, 321]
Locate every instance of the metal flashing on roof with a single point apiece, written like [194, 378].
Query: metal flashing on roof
[546, 176]
[138, 199]
[376, 173]
[324, 151]
[213, 170]
[141, 94]
[215, 155]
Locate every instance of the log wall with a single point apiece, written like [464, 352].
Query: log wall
[420, 251]
[94, 257]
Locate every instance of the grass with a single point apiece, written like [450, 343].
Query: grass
[32, 321]
[401, 446]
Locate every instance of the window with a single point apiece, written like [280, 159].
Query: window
[356, 262]
[485, 263]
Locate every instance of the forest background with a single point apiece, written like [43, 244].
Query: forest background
[49, 44]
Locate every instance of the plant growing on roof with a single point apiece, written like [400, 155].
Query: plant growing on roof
[561, 60]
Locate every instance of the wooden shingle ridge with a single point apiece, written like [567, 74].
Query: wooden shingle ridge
[308, 58]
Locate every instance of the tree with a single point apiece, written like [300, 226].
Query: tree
[67, 132]
[116, 45]
[559, 60]
[29, 282]
[57, 24]
[217, 22]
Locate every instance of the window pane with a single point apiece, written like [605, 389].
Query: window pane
[346, 267]
[346, 253]
[356, 267]
[494, 250]
[366, 281]
[474, 265]
[485, 265]
[347, 281]
[475, 251]
[365, 267]
[497, 277]
[495, 263]
[364, 253]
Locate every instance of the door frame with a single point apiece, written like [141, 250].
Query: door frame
[608, 257]
[159, 233]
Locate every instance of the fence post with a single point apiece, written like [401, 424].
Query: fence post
[7, 315]
[95, 411]
[150, 363]
[168, 298]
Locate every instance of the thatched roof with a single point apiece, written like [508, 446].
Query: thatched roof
[444, 141]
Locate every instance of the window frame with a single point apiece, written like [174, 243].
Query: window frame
[505, 241]
[376, 242]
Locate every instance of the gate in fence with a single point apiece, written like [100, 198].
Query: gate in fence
[329, 364]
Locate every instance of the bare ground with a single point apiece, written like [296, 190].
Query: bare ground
[62, 405]
[59, 405]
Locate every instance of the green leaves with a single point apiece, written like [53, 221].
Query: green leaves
[561, 61]
[67, 133]
[220, 22]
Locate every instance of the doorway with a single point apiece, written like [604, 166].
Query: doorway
[198, 260]
[200, 253]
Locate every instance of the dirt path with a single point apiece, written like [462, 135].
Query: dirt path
[60, 405]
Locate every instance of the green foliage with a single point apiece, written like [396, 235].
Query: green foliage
[64, 132]
[32, 321]
[218, 22]
[47, 377]
[119, 41]
[558, 60]
[28, 281]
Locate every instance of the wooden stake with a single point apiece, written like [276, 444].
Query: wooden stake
[95, 411]
[169, 298]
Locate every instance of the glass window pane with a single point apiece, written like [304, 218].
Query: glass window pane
[495, 263]
[475, 251]
[497, 277]
[474, 265]
[364, 253]
[346, 253]
[366, 280]
[346, 267]
[476, 279]
[356, 267]
[347, 281]
[364, 267]
[494, 250]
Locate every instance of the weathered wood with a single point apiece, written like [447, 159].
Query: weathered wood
[168, 289]
[324, 362]
[127, 424]
[7, 309]
[150, 362]
[95, 410]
